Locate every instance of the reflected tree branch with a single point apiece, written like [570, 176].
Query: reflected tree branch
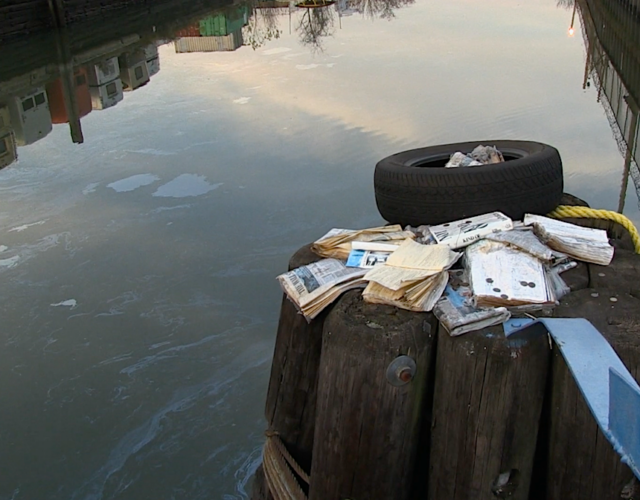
[316, 24]
[262, 26]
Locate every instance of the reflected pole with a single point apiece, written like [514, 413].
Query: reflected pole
[573, 18]
[65, 69]
[631, 143]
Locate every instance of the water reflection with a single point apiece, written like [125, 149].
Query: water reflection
[64, 92]
[214, 33]
[67, 95]
[139, 302]
[611, 34]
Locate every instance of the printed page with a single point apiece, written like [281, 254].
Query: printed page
[413, 255]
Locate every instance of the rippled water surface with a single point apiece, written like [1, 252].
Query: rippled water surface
[137, 269]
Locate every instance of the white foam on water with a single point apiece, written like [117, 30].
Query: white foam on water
[3, 248]
[278, 50]
[90, 188]
[66, 303]
[133, 182]
[306, 66]
[242, 100]
[19, 229]
[153, 152]
[11, 262]
[166, 209]
[186, 185]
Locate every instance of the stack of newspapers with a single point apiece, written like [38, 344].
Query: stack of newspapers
[313, 287]
[582, 243]
[338, 243]
[413, 277]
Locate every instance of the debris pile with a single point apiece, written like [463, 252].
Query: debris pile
[481, 155]
[471, 273]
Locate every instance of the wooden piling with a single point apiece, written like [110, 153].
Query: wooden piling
[621, 276]
[291, 397]
[366, 433]
[581, 463]
[486, 409]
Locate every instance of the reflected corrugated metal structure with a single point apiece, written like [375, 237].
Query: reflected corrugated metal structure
[230, 42]
[611, 30]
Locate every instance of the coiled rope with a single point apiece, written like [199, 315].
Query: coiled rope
[564, 211]
[279, 466]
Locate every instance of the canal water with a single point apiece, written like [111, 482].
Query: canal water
[137, 269]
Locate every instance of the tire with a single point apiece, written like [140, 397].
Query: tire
[413, 187]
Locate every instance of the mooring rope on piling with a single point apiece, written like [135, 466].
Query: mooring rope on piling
[279, 465]
[564, 211]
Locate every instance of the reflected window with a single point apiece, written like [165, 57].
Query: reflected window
[111, 90]
[80, 80]
[27, 104]
[3, 146]
[138, 72]
[39, 99]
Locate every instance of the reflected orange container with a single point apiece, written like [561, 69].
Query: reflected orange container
[56, 97]
[193, 30]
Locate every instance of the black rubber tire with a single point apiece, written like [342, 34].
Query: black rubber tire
[413, 187]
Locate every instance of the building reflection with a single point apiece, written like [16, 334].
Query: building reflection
[612, 39]
[8, 146]
[60, 82]
[214, 33]
[31, 104]
[58, 79]
[105, 84]
[29, 115]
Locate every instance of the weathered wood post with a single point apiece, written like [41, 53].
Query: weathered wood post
[581, 463]
[370, 400]
[486, 410]
[291, 398]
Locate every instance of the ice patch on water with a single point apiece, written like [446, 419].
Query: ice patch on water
[11, 262]
[133, 182]
[278, 50]
[90, 188]
[242, 100]
[66, 303]
[186, 185]
[306, 66]
[19, 229]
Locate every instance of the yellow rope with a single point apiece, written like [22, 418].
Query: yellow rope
[564, 211]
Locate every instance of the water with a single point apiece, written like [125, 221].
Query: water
[139, 303]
